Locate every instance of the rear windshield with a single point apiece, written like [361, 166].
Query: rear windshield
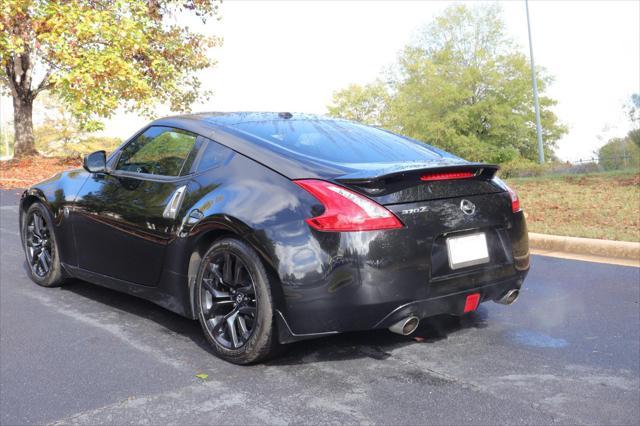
[337, 141]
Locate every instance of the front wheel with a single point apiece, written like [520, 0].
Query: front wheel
[40, 247]
[234, 303]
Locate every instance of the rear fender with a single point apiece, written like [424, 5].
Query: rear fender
[218, 226]
[268, 212]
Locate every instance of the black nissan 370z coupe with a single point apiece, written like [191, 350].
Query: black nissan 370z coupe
[271, 228]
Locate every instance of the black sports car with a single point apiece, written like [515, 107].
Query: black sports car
[275, 227]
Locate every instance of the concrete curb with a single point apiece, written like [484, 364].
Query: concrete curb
[590, 246]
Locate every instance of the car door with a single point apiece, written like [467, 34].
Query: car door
[124, 218]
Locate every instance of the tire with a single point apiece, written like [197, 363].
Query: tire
[234, 303]
[41, 247]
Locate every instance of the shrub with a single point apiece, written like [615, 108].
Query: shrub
[527, 168]
[521, 167]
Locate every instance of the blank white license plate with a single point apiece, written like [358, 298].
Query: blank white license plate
[467, 250]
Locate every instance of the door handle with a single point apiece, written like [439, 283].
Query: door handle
[175, 202]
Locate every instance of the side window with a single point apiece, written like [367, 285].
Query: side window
[214, 154]
[158, 151]
[188, 166]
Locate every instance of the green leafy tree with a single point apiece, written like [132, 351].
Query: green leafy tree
[361, 103]
[99, 55]
[619, 153]
[622, 153]
[634, 136]
[463, 86]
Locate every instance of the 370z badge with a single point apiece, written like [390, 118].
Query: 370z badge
[414, 211]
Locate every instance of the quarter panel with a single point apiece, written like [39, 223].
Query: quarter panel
[268, 211]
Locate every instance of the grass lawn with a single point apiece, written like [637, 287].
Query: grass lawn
[599, 205]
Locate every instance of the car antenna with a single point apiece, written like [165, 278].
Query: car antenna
[285, 115]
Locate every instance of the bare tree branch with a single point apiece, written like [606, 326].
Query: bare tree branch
[45, 84]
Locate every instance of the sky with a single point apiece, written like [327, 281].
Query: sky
[291, 56]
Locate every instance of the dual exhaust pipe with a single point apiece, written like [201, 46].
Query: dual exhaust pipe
[409, 324]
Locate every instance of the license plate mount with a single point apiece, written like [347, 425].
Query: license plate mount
[467, 250]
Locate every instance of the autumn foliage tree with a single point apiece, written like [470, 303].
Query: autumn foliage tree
[99, 55]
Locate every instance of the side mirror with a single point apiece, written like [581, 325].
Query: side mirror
[96, 162]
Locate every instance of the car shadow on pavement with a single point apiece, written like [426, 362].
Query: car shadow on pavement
[375, 344]
[172, 322]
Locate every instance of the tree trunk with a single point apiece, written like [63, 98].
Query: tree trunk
[23, 126]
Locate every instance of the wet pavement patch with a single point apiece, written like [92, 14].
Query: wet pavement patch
[538, 340]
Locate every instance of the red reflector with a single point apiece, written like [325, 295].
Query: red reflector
[447, 176]
[471, 304]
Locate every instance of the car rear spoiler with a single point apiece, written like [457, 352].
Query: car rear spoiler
[380, 182]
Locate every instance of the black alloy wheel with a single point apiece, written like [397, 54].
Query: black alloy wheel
[40, 247]
[38, 242]
[229, 300]
[234, 302]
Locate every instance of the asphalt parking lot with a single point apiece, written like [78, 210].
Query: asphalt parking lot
[567, 352]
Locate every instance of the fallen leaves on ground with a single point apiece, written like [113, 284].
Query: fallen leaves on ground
[24, 172]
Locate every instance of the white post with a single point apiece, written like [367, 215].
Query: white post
[535, 89]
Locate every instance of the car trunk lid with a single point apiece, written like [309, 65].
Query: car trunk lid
[429, 202]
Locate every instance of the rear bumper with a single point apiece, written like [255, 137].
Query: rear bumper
[370, 280]
[383, 315]
[452, 304]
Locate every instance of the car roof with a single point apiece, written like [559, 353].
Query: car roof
[219, 126]
[239, 117]
[222, 128]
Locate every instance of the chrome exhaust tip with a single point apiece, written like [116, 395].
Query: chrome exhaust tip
[509, 297]
[405, 326]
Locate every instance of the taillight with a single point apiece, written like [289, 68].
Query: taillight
[345, 210]
[447, 176]
[515, 201]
